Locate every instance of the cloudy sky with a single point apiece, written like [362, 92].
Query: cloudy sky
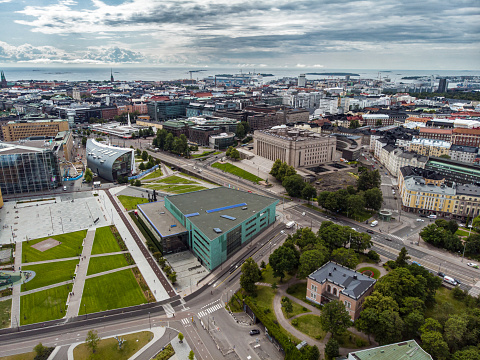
[335, 34]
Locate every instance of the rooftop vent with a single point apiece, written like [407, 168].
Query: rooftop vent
[355, 276]
[217, 230]
[329, 274]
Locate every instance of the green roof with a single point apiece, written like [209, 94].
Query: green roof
[407, 350]
[212, 199]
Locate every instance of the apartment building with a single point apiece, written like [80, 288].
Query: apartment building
[399, 158]
[467, 154]
[23, 129]
[466, 137]
[335, 282]
[429, 147]
[436, 134]
[454, 171]
[296, 147]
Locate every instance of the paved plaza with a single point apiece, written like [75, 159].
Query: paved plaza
[44, 218]
[189, 271]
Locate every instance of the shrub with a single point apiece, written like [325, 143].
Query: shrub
[360, 343]
[373, 255]
[295, 322]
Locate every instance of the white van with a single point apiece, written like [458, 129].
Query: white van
[450, 280]
[374, 223]
[64, 188]
[432, 216]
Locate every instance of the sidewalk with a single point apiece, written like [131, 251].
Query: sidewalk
[74, 300]
[15, 314]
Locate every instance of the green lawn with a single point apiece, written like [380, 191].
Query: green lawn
[105, 263]
[444, 295]
[104, 241]
[205, 153]
[310, 325]
[130, 202]
[71, 246]
[5, 312]
[153, 174]
[351, 341]
[264, 302]
[24, 356]
[267, 276]
[111, 291]
[50, 273]
[175, 189]
[237, 171]
[44, 305]
[174, 179]
[298, 290]
[462, 232]
[108, 348]
[297, 309]
[376, 272]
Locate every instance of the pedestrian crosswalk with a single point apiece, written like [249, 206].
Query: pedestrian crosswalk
[185, 321]
[210, 310]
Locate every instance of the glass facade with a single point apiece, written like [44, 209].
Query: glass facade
[29, 171]
[122, 166]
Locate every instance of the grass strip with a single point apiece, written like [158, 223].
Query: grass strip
[235, 170]
[131, 202]
[50, 273]
[104, 241]
[105, 263]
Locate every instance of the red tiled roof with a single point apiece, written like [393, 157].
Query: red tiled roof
[466, 131]
[436, 131]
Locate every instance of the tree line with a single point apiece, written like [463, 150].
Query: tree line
[291, 181]
[165, 140]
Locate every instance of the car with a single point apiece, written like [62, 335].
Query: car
[458, 281]
[254, 332]
[354, 229]
[473, 265]
[370, 231]
[440, 274]
[282, 232]
[64, 188]
[421, 215]
[420, 220]
[388, 239]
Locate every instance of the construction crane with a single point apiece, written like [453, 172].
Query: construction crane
[194, 71]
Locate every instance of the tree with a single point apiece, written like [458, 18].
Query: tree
[310, 261]
[355, 204]
[368, 180]
[144, 155]
[191, 355]
[234, 154]
[294, 185]
[333, 235]
[250, 275]
[360, 241]
[142, 166]
[275, 167]
[433, 343]
[331, 349]
[284, 259]
[240, 133]
[373, 199]
[335, 318]
[168, 142]
[180, 337]
[401, 284]
[389, 328]
[402, 258]
[92, 340]
[246, 126]
[430, 325]
[345, 257]
[454, 331]
[354, 124]
[379, 122]
[467, 354]
[287, 305]
[445, 156]
[88, 175]
[84, 141]
[172, 277]
[309, 192]
[138, 183]
[39, 350]
[413, 321]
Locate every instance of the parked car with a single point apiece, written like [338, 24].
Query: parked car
[254, 332]
[64, 188]
[458, 281]
[420, 220]
[370, 231]
[450, 280]
[473, 265]
[441, 274]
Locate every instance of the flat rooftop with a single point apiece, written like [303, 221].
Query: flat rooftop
[207, 208]
[404, 350]
[161, 218]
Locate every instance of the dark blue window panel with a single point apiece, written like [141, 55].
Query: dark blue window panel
[192, 214]
[217, 230]
[225, 208]
[228, 217]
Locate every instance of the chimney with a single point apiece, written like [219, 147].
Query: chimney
[355, 277]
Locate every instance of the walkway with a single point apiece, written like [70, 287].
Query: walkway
[80, 276]
[111, 271]
[15, 315]
[46, 287]
[145, 262]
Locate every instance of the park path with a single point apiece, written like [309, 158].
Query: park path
[15, 314]
[80, 276]
[50, 261]
[108, 254]
[47, 287]
[111, 271]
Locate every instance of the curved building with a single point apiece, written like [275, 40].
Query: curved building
[108, 161]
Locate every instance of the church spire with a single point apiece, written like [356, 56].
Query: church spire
[111, 75]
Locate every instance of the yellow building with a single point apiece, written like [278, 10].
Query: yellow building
[22, 129]
[147, 123]
[429, 147]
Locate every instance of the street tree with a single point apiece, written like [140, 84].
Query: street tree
[246, 126]
[142, 166]
[402, 258]
[360, 241]
[309, 192]
[39, 350]
[92, 340]
[373, 199]
[275, 168]
[240, 133]
[283, 260]
[335, 318]
[250, 275]
[180, 337]
[144, 155]
[333, 235]
[400, 284]
[191, 355]
[355, 205]
[368, 180]
[168, 142]
[345, 257]
[294, 185]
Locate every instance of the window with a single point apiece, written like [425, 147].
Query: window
[348, 305]
[329, 288]
[314, 288]
[335, 291]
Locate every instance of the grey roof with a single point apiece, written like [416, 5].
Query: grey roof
[389, 148]
[403, 350]
[201, 201]
[462, 148]
[468, 189]
[354, 284]
[417, 183]
[161, 219]
[101, 157]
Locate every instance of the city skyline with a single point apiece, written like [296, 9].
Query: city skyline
[304, 34]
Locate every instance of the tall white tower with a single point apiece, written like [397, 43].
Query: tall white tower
[301, 80]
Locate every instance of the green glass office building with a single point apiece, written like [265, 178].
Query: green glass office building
[214, 224]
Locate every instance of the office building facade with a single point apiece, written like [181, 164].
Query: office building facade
[25, 169]
[109, 162]
[23, 129]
